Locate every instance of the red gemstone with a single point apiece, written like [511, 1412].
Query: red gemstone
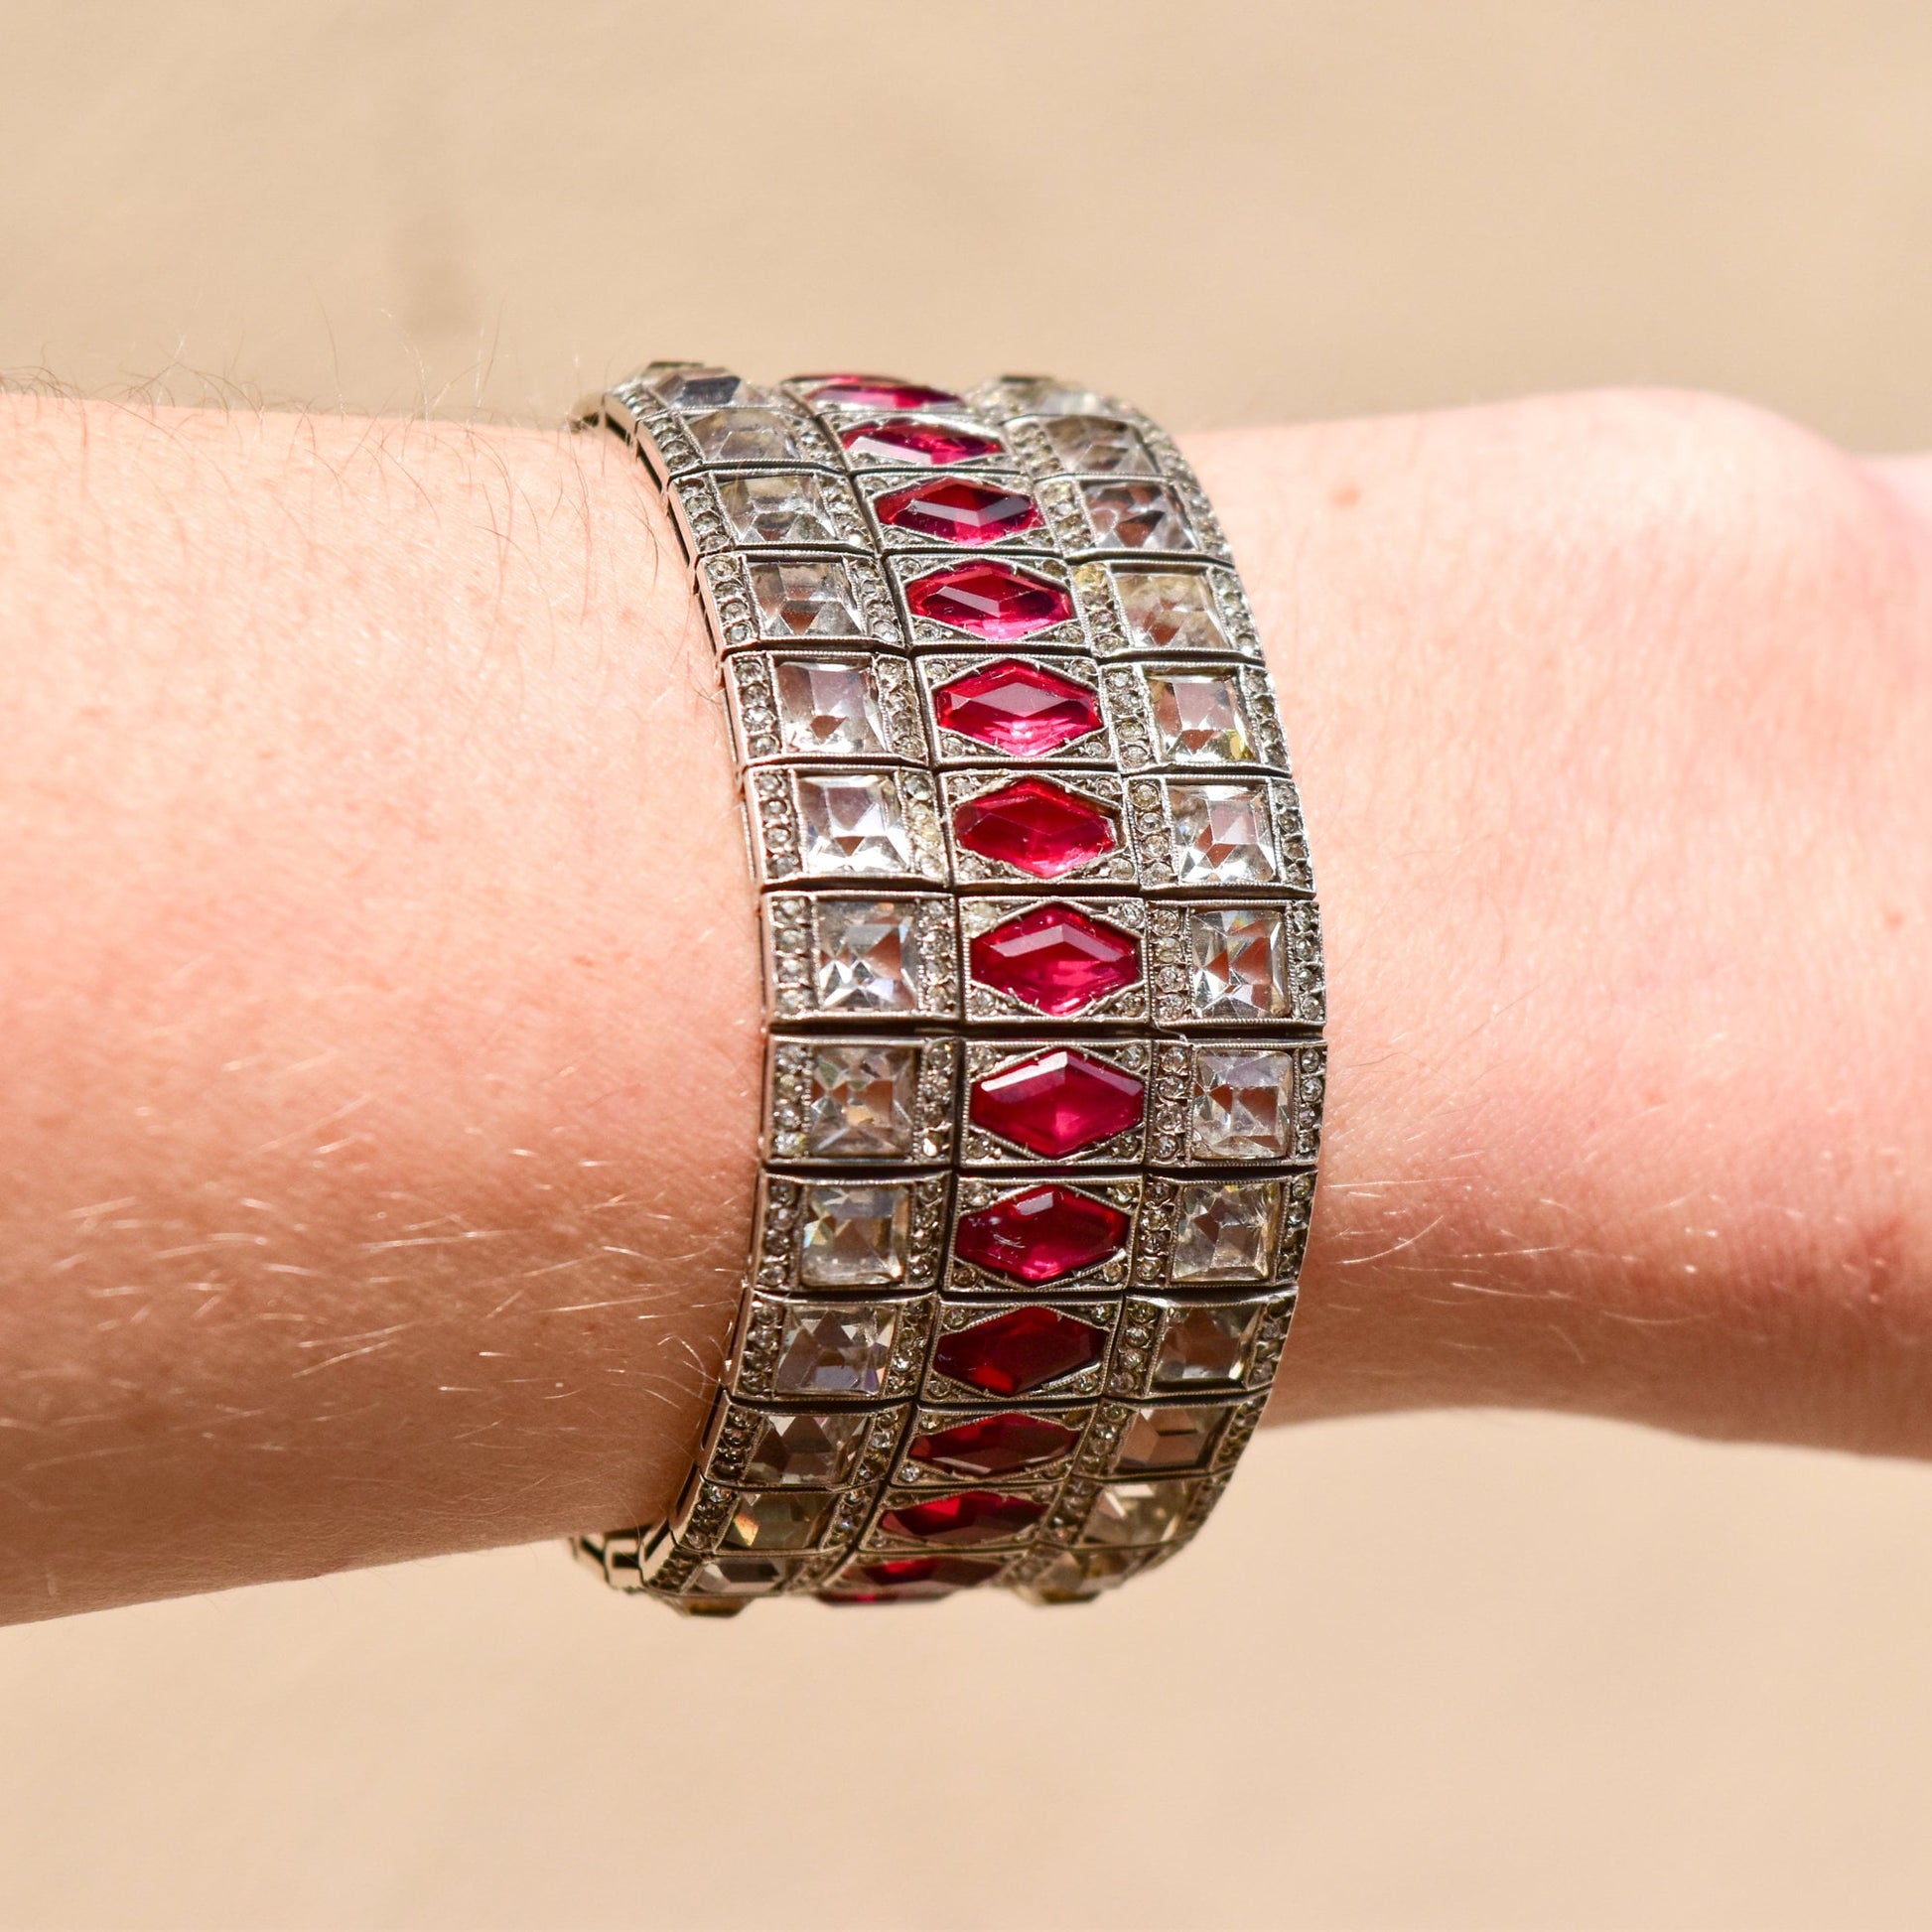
[1059, 1102]
[905, 438]
[995, 1446]
[1024, 710]
[1019, 1351]
[1036, 826]
[1057, 961]
[1041, 1234]
[988, 600]
[972, 1516]
[908, 1579]
[880, 392]
[961, 510]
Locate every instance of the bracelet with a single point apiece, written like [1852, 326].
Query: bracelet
[1043, 990]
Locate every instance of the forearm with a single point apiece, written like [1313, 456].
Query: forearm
[378, 1166]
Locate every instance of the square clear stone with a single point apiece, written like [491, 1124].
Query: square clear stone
[1207, 1347]
[835, 1349]
[778, 509]
[1138, 516]
[738, 1577]
[815, 1449]
[1097, 446]
[1227, 1231]
[1171, 1436]
[1171, 609]
[1222, 835]
[1084, 1572]
[1197, 717]
[1045, 395]
[1238, 961]
[706, 388]
[1244, 1104]
[806, 600]
[862, 1104]
[777, 1520]
[743, 436]
[828, 707]
[855, 1236]
[852, 822]
[1136, 1514]
[866, 956]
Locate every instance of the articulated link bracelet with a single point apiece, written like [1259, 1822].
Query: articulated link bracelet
[1042, 980]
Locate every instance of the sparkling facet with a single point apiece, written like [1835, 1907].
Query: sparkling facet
[1040, 1233]
[854, 1235]
[1244, 1104]
[852, 822]
[778, 509]
[995, 1446]
[1024, 710]
[1197, 717]
[1048, 395]
[1057, 1102]
[880, 392]
[1238, 962]
[1036, 826]
[1226, 1230]
[988, 600]
[837, 1350]
[1222, 835]
[828, 707]
[908, 440]
[1136, 1514]
[806, 600]
[780, 1519]
[1171, 609]
[745, 436]
[1171, 1436]
[737, 1576]
[961, 510]
[1206, 1347]
[1098, 446]
[1138, 516]
[1081, 1573]
[1056, 960]
[860, 1103]
[708, 388]
[909, 1578]
[816, 1448]
[1019, 1351]
[866, 956]
[960, 1521]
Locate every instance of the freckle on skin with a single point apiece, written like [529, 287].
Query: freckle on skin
[1344, 496]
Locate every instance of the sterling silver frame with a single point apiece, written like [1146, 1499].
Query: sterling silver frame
[879, 1433]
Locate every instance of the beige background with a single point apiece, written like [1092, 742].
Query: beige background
[1430, 1672]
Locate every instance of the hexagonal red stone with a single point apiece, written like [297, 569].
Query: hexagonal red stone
[988, 600]
[972, 1516]
[1055, 958]
[1021, 1350]
[961, 510]
[995, 1446]
[1036, 826]
[1041, 1234]
[908, 440]
[1057, 1102]
[1024, 710]
[879, 392]
[903, 1580]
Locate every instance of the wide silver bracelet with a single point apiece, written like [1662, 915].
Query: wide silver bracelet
[1043, 990]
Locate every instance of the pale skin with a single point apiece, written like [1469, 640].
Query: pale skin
[381, 1013]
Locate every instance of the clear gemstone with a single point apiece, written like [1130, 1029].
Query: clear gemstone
[1036, 827]
[743, 436]
[990, 600]
[1046, 395]
[1056, 960]
[995, 1446]
[706, 388]
[1138, 516]
[1084, 1572]
[817, 1449]
[907, 440]
[809, 600]
[1136, 1514]
[867, 956]
[737, 1576]
[1171, 609]
[961, 509]
[778, 1519]
[1171, 1436]
[1222, 835]
[1024, 710]
[1019, 1351]
[854, 1235]
[971, 1517]
[1238, 959]
[835, 1350]
[1197, 717]
[828, 707]
[1206, 1347]
[778, 509]
[1057, 1103]
[852, 823]
[1226, 1230]
[1041, 1234]
[1244, 1104]
[1097, 446]
[860, 1103]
